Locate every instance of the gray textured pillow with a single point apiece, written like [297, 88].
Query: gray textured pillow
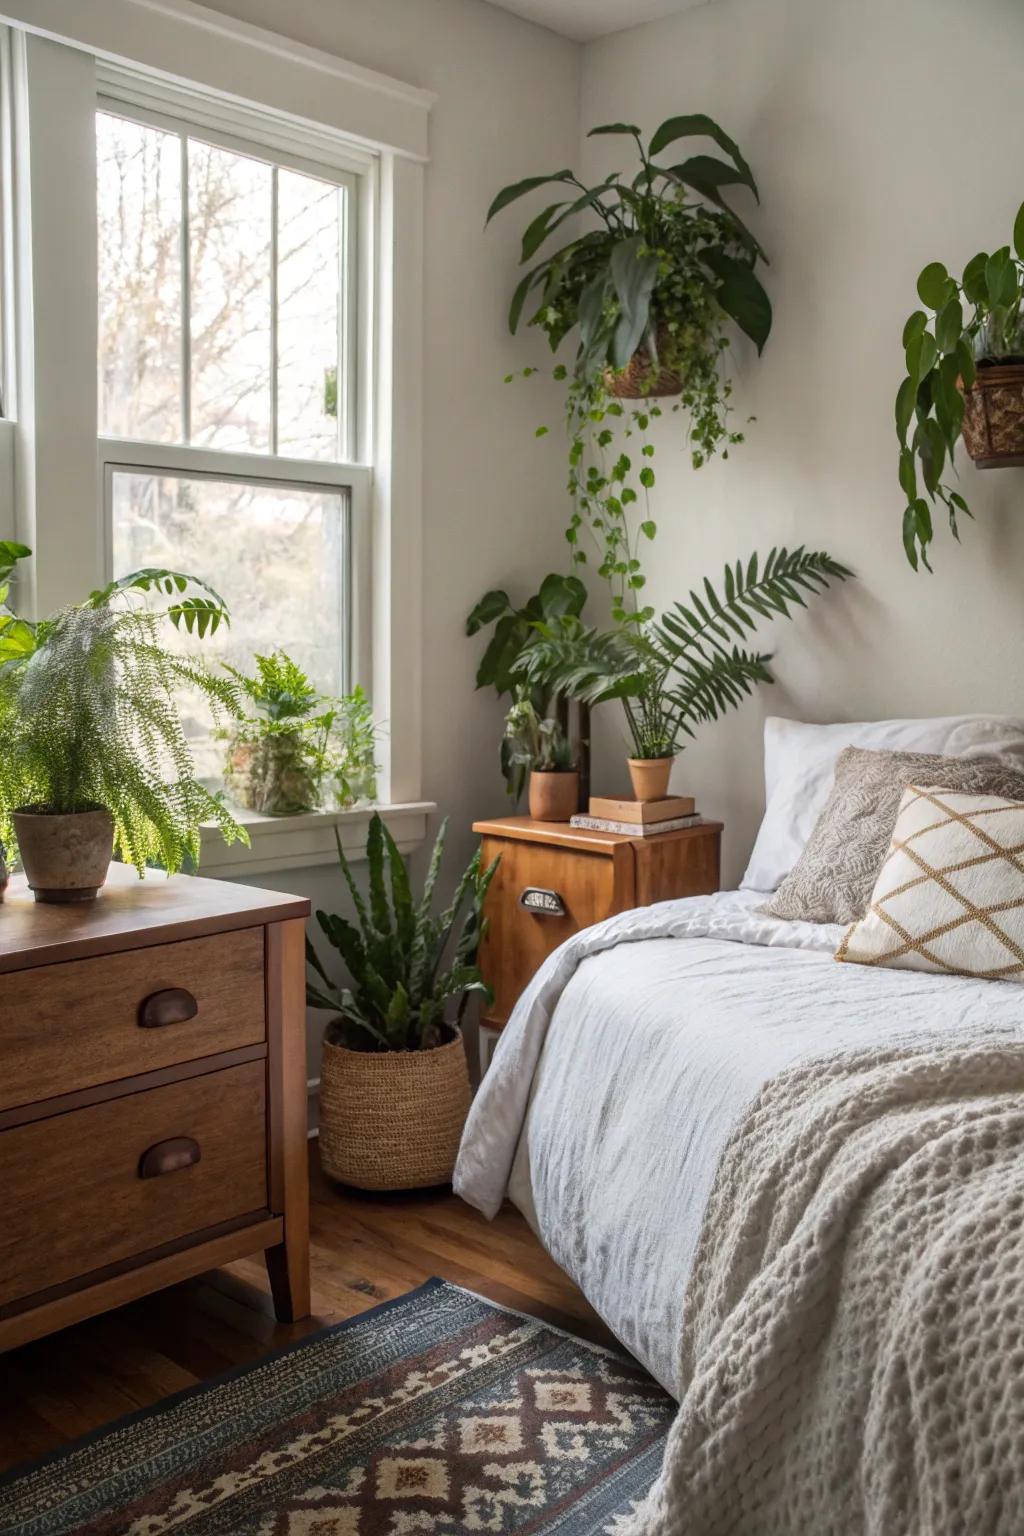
[833, 878]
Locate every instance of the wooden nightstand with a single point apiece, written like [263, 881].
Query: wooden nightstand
[152, 1095]
[554, 879]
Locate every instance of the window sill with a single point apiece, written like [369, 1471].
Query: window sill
[300, 842]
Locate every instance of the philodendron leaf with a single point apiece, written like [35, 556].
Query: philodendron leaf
[741, 296]
[922, 352]
[974, 278]
[933, 284]
[629, 128]
[906, 398]
[539, 228]
[490, 607]
[949, 324]
[699, 125]
[634, 272]
[519, 189]
[914, 326]
[1018, 232]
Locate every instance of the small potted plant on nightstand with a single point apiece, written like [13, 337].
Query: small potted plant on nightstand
[541, 746]
[394, 1087]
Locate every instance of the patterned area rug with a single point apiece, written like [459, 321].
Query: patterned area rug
[433, 1415]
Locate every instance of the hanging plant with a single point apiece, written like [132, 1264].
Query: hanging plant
[965, 378]
[651, 293]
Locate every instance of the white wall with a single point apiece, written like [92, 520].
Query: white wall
[508, 98]
[883, 134]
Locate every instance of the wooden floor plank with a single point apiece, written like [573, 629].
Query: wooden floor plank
[365, 1249]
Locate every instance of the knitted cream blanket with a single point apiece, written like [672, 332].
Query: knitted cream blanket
[854, 1333]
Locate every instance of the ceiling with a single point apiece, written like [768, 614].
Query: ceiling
[585, 19]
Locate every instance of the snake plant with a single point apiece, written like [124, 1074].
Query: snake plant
[401, 984]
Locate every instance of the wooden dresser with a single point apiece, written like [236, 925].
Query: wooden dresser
[152, 1095]
[554, 879]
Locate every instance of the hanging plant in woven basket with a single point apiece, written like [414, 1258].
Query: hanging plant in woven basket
[965, 379]
[654, 289]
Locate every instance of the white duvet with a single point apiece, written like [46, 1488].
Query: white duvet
[627, 1064]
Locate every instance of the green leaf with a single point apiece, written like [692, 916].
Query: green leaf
[490, 607]
[949, 325]
[741, 295]
[965, 358]
[910, 536]
[908, 475]
[905, 399]
[648, 529]
[932, 285]
[921, 355]
[973, 282]
[1001, 278]
[519, 189]
[634, 272]
[538, 230]
[914, 326]
[629, 128]
[706, 175]
[1018, 232]
[699, 125]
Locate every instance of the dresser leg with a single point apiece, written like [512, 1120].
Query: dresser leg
[288, 1262]
[288, 1271]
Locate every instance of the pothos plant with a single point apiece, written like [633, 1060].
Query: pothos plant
[650, 294]
[968, 323]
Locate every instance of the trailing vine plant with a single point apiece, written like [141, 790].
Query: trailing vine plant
[651, 293]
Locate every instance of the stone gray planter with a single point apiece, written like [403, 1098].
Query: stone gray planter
[65, 857]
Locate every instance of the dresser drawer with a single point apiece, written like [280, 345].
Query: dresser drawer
[572, 890]
[73, 1197]
[83, 1022]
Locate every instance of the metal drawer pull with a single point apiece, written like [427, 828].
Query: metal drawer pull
[543, 903]
[168, 1157]
[173, 1006]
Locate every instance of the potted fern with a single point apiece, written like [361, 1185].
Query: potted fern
[95, 757]
[394, 1087]
[673, 675]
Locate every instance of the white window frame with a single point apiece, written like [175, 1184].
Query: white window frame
[188, 113]
[64, 59]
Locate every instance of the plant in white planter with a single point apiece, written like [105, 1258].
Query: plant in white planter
[95, 757]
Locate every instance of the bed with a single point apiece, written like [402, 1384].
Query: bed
[794, 1189]
[628, 1065]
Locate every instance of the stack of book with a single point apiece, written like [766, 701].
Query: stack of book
[638, 818]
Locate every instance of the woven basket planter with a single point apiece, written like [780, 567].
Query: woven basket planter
[392, 1119]
[993, 426]
[639, 380]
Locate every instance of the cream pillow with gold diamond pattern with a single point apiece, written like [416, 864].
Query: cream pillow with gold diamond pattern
[949, 896]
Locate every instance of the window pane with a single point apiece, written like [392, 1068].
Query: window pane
[274, 553]
[229, 244]
[308, 265]
[139, 219]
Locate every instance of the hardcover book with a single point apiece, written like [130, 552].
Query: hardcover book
[642, 812]
[634, 828]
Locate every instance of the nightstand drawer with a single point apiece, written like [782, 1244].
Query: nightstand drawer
[98, 1186]
[539, 897]
[85, 1022]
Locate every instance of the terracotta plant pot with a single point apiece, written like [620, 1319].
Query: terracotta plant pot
[640, 380]
[65, 858]
[392, 1119]
[553, 796]
[993, 426]
[650, 776]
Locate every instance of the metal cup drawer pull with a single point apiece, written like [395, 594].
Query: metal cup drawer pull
[174, 1005]
[544, 903]
[169, 1157]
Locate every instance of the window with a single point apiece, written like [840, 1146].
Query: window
[226, 370]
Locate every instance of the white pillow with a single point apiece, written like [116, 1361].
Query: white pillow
[799, 764]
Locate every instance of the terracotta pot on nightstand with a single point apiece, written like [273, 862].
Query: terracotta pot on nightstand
[553, 796]
[650, 776]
